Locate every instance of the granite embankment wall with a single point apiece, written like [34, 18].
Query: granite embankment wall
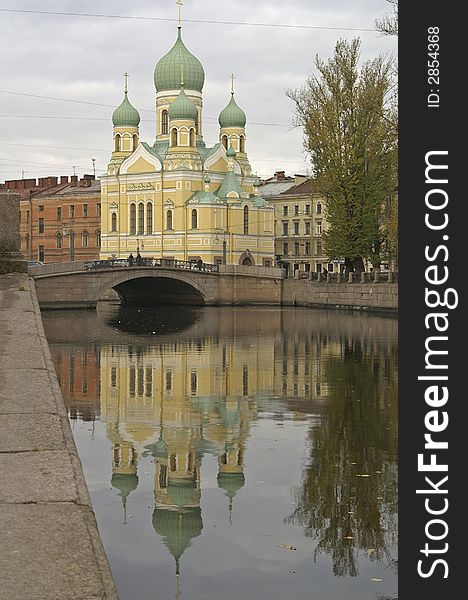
[50, 545]
[375, 296]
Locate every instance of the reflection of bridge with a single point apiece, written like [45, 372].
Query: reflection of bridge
[75, 284]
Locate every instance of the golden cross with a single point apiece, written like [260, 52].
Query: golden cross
[179, 4]
[126, 82]
[232, 83]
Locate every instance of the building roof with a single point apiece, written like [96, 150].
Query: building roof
[275, 188]
[306, 187]
[168, 71]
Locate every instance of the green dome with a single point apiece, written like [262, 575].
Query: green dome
[167, 72]
[177, 528]
[126, 115]
[232, 115]
[182, 108]
[231, 483]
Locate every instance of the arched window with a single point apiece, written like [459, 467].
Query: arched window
[135, 141]
[225, 141]
[149, 218]
[27, 241]
[164, 122]
[132, 219]
[58, 240]
[246, 220]
[174, 137]
[84, 239]
[114, 222]
[117, 143]
[194, 219]
[242, 144]
[141, 218]
[192, 138]
[98, 238]
[169, 219]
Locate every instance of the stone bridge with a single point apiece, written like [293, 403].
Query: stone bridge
[71, 285]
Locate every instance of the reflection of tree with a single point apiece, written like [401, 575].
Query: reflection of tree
[348, 497]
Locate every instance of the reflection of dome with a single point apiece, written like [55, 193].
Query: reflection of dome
[168, 70]
[125, 483]
[181, 493]
[178, 528]
[231, 483]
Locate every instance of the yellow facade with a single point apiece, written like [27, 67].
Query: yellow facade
[179, 199]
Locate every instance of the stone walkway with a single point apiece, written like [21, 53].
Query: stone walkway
[50, 547]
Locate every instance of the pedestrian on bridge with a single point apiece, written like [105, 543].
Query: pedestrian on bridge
[138, 260]
[131, 260]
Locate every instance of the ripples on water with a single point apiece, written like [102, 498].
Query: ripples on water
[236, 453]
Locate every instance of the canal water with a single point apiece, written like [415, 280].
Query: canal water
[236, 453]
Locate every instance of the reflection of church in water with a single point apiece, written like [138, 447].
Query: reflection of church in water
[176, 407]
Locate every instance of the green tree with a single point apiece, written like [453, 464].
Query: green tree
[349, 122]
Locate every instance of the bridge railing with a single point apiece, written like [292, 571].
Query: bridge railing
[167, 263]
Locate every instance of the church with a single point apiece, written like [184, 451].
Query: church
[177, 198]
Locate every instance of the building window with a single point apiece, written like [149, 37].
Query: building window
[58, 240]
[59, 213]
[319, 209]
[245, 380]
[169, 219]
[224, 140]
[141, 218]
[135, 141]
[114, 222]
[164, 122]
[132, 381]
[72, 245]
[114, 377]
[41, 254]
[194, 219]
[296, 227]
[27, 216]
[296, 248]
[168, 381]
[85, 210]
[149, 218]
[174, 137]
[41, 208]
[72, 211]
[296, 209]
[319, 248]
[27, 241]
[98, 238]
[307, 209]
[307, 248]
[319, 228]
[117, 143]
[285, 228]
[285, 249]
[192, 138]
[98, 209]
[246, 220]
[285, 211]
[41, 225]
[307, 228]
[132, 219]
[84, 239]
[149, 382]
[242, 143]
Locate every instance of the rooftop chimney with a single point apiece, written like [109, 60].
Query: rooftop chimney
[63, 179]
[74, 180]
[280, 176]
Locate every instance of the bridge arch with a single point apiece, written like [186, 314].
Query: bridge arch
[149, 287]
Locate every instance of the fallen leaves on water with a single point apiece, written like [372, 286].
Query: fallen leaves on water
[287, 547]
[349, 537]
[363, 475]
[293, 572]
[376, 579]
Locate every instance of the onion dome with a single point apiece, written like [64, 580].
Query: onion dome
[182, 108]
[231, 483]
[167, 71]
[125, 115]
[125, 483]
[232, 115]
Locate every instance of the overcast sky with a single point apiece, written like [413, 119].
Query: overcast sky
[84, 58]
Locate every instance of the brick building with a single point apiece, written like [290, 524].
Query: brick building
[60, 217]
